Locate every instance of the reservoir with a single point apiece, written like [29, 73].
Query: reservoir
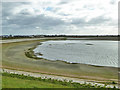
[93, 52]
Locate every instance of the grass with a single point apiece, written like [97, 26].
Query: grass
[30, 53]
[11, 80]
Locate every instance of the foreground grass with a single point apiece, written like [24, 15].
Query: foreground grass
[14, 82]
[10, 82]
[22, 81]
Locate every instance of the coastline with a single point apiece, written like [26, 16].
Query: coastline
[81, 71]
[31, 54]
[38, 55]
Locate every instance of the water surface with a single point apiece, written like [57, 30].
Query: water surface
[94, 52]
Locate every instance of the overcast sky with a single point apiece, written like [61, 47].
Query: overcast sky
[76, 17]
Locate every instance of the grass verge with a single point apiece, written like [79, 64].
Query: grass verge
[11, 80]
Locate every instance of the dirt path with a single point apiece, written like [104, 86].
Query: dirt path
[29, 39]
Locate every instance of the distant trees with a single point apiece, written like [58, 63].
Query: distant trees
[42, 36]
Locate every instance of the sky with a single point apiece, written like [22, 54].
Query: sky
[66, 17]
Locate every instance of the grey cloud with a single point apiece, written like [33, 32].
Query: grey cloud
[113, 1]
[77, 21]
[25, 12]
[99, 20]
[94, 21]
[24, 20]
[7, 7]
[42, 21]
[63, 2]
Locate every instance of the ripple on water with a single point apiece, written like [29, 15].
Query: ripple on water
[102, 53]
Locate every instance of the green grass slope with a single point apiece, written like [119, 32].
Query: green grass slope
[10, 82]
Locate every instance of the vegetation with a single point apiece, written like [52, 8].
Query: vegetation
[10, 82]
[10, 78]
[30, 53]
[113, 82]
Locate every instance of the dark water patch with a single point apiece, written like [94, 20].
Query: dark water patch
[89, 44]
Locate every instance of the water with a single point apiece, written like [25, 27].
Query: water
[94, 52]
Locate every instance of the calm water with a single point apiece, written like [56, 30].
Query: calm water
[94, 52]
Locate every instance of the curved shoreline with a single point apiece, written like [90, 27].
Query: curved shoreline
[14, 58]
[34, 56]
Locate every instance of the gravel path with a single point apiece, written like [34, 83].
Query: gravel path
[19, 40]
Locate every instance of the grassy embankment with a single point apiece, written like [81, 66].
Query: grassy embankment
[22, 81]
